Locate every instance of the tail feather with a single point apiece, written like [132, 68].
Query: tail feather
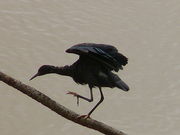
[122, 85]
[118, 82]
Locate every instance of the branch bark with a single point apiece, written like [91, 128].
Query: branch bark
[56, 107]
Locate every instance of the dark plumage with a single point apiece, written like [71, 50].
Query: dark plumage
[94, 67]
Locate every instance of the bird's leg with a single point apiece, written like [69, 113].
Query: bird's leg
[100, 101]
[79, 96]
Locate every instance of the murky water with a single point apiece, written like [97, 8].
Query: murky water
[37, 32]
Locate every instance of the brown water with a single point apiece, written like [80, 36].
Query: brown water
[36, 32]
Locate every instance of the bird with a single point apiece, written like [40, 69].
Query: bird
[95, 67]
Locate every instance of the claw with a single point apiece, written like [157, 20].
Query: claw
[77, 101]
[75, 95]
[72, 93]
[84, 117]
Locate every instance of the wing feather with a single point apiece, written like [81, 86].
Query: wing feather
[106, 54]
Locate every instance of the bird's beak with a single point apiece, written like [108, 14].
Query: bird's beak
[34, 76]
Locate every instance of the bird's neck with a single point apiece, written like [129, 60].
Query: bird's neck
[65, 70]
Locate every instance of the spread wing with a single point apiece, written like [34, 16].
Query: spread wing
[105, 54]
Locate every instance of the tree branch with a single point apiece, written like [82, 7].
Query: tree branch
[56, 107]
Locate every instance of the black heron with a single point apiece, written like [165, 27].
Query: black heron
[94, 67]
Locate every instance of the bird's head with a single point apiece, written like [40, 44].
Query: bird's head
[45, 69]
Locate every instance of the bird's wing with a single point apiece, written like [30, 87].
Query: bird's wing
[105, 54]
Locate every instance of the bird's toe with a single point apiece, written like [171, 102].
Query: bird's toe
[75, 95]
[72, 93]
[84, 117]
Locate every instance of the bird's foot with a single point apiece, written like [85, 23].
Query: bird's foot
[75, 95]
[84, 116]
[72, 93]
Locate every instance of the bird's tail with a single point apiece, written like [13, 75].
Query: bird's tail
[122, 85]
[118, 82]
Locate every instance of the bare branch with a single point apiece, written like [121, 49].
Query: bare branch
[56, 107]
